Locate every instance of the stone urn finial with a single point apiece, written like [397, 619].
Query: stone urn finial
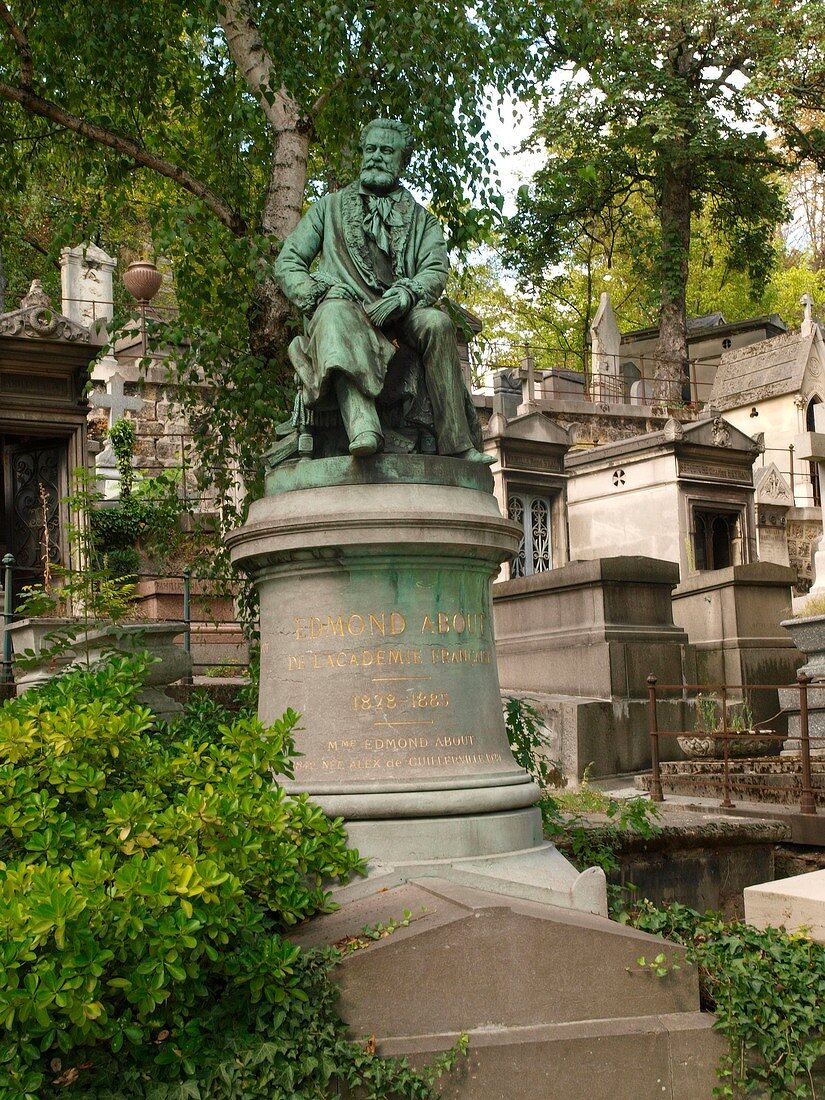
[142, 279]
[36, 298]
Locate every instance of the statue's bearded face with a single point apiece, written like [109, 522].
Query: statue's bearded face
[383, 157]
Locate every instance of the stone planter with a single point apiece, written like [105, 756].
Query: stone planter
[700, 747]
[809, 636]
[705, 746]
[36, 638]
[92, 643]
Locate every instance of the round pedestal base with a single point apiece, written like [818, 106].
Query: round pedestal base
[427, 839]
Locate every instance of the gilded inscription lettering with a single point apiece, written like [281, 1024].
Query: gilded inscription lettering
[375, 624]
[460, 758]
[446, 622]
[377, 744]
[458, 656]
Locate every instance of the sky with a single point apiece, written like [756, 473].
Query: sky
[510, 131]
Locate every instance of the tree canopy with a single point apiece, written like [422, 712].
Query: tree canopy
[198, 131]
[668, 111]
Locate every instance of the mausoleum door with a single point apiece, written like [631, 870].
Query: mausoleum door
[718, 539]
[33, 485]
[533, 513]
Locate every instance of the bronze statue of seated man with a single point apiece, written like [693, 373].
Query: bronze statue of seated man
[381, 267]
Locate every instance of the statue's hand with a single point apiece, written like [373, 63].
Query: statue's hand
[341, 292]
[394, 303]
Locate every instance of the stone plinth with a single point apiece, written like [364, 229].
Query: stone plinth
[215, 636]
[555, 1004]
[790, 903]
[594, 629]
[579, 643]
[732, 616]
[374, 581]
[789, 701]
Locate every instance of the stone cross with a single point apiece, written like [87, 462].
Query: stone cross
[606, 346]
[528, 385]
[807, 325]
[115, 400]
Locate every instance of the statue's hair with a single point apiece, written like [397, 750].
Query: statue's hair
[397, 127]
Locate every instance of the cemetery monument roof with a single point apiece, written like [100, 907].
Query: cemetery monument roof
[768, 369]
[37, 319]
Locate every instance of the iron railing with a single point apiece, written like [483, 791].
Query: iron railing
[191, 623]
[728, 735]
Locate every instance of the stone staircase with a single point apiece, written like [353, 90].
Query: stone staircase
[768, 779]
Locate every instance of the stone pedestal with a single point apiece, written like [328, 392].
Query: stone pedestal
[374, 580]
[579, 643]
[731, 616]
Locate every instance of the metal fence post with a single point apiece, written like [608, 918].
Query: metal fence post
[807, 803]
[8, 581]
[656, 794]
[187, 614]
[726, 802]
[790, 457]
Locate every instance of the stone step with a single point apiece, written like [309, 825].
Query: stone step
[774, 780]
[637, 1058]
[555, 1001]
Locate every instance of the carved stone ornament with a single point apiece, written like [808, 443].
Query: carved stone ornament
[772, 488]
[37, 319]
[673, 430]
[721, 433]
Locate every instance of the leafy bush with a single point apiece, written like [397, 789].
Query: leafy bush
[567, 820]
[528, 743]
[148, 514]
[768, 991]
[147, 875]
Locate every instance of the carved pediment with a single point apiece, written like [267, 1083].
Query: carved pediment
[716, 432]
[768, 368]
[37, 319]
[535, 427]
[772, 487]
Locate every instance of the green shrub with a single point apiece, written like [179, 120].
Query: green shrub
[148, 514]
[768, 991]
[147, 875]
[528, 742]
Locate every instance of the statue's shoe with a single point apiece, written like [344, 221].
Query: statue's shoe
[367, 443]
[472, 455]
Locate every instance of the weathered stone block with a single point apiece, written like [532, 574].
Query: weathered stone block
[791, 903]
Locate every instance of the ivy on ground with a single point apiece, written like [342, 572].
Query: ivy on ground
[767, 988]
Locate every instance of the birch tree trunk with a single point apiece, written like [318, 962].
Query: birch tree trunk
[290, 132]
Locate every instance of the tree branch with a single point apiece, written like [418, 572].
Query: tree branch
[734, 65]
[44, 108]
[253, 60]
[325, 96]
[21, 43]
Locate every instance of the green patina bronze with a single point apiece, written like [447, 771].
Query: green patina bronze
[377, 365]
[382, 469]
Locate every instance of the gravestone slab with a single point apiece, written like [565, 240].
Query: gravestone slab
[790, 903]
[86, 283]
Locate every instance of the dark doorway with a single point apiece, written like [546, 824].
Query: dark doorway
[810, 426]
[717, 539]
[32, 487]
